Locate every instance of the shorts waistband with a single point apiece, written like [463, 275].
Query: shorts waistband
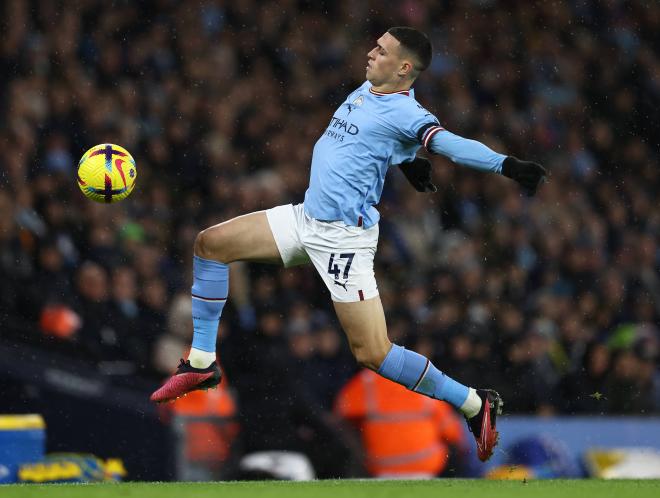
[360, 223]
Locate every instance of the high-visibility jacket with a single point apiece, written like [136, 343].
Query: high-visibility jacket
[209, 424]
[404, 433]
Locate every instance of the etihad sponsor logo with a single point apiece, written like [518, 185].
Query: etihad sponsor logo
[343, 125]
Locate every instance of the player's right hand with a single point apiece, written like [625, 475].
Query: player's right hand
[418, 173]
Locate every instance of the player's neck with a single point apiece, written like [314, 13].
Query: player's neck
[392, 87]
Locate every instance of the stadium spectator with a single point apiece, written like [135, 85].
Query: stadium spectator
[208, 436]
[583, 391]
[99, 337]
[404, 436]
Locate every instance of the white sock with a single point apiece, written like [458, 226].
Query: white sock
[472, 404]
[201, 359]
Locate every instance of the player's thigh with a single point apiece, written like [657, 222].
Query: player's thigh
[366, 330]
[244, 238]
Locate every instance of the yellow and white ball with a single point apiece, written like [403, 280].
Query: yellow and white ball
[107, 173]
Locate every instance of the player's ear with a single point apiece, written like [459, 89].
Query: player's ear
[406, 68]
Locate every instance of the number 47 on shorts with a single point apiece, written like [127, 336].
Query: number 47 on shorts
[335, 271]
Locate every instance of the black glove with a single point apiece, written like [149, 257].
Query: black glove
[528, 174]
[418, 173]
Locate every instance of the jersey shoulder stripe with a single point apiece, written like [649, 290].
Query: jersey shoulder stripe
[429, 135]
[426, 131]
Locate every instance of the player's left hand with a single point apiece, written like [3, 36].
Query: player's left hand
[418, 173]
[528, 174]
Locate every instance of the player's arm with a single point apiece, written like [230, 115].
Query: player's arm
[476, 155]
[420, 125]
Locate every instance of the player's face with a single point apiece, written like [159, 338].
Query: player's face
[384, 60]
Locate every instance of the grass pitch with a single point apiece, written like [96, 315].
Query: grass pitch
[454, 488]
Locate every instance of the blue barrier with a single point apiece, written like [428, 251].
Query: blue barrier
[578, 433]
[88, 412]
[22, 439]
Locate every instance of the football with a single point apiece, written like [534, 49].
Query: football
[106, 173]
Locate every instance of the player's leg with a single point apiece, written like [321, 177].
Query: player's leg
[245, 238]
[364, 324]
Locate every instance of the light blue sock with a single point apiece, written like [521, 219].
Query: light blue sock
[209, 295]
[418, 374]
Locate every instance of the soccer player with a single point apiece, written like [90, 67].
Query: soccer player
[380, 124]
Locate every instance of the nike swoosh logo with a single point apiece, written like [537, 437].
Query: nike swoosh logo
[118, 163]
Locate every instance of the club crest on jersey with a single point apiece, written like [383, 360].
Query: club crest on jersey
[358, 101]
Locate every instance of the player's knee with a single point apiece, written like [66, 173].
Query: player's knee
[209, 245]
[368, 357]
[202, 246]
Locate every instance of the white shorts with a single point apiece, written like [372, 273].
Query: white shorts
[343, 255]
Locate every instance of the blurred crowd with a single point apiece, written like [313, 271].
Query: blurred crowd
[554, 301]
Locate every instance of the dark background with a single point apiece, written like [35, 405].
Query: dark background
[555, 300]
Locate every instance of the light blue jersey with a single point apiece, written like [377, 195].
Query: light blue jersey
[369, 132]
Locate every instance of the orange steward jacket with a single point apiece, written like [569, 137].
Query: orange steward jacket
[404, 433]
[210, 426]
